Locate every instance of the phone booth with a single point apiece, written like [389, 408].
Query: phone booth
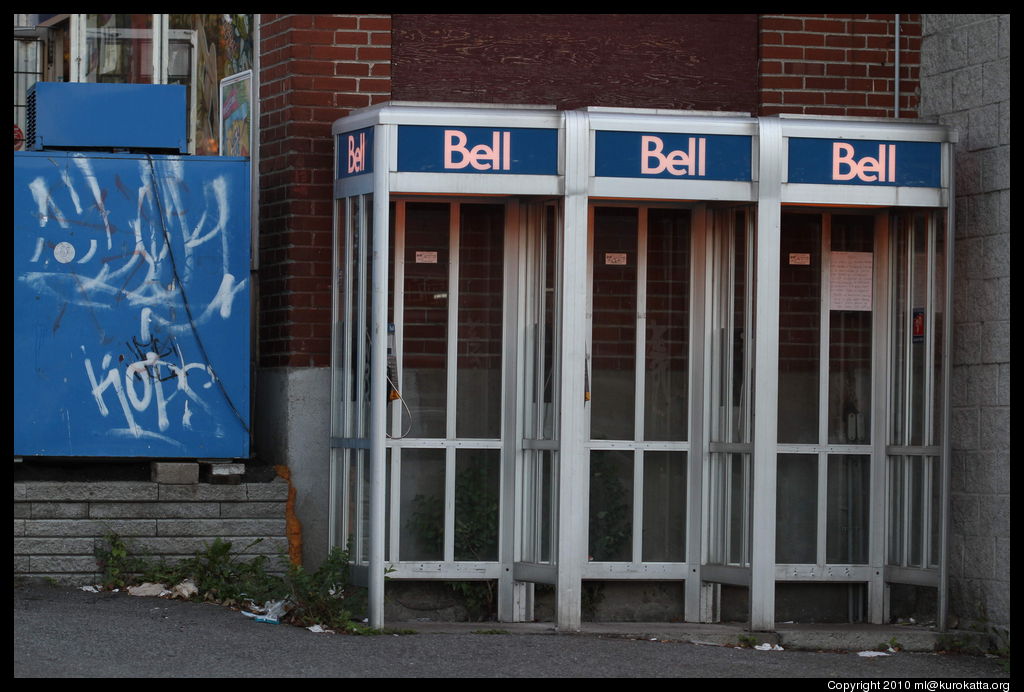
[641, 345]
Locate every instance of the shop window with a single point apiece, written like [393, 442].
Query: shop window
[199, 51]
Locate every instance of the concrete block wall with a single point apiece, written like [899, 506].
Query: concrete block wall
[965, 82]
[59, 525]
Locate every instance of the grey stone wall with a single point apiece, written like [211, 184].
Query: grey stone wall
[292, 428]
[965, 82]
[58, 526]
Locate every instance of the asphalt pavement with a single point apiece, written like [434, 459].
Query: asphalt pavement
[68, 632]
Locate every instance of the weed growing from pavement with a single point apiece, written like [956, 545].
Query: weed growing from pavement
[118, 568]
[891, 645]
[320, 597]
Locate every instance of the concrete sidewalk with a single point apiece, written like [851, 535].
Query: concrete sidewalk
[815, 637]
[67, 632]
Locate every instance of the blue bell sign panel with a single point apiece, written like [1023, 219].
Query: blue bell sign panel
[672, 155]
[456, 149]
[355, 153]
[864, 162]
[131, 305]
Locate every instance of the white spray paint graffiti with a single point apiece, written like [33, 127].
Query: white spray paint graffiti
[85, 166]
[155, 287]
[139, 387]
[44, 201]
[148, 263]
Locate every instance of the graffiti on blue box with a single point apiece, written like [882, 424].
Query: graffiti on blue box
[132, 305]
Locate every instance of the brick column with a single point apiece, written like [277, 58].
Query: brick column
[838, 64]
[314, 70]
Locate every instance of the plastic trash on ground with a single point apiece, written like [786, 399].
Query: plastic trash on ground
[768, 647]
[185, 590]
[271, 612]
[870, 654]
[149, 589]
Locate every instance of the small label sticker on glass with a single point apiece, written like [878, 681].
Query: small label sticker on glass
[800, 258]
[615, 258]
[426, 257]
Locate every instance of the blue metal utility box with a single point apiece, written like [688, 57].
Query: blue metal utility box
[130, 117]
[131, 305]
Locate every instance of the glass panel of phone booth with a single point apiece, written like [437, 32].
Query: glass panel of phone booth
[850, 332]
[827, 314]
[800, 328]
[917, 354]
[537, 476]
[350, 373]
[448, 311]
[614, 324]
[730, 326]
[424, 330]
[479, 347]
[639, 383]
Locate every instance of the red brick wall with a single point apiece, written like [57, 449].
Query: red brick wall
[684, 61]
[838, 64]
[314, 69]
[317, 68]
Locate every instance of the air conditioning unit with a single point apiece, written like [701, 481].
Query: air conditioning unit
[73, 116]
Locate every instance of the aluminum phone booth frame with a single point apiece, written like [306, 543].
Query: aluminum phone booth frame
[729, 333]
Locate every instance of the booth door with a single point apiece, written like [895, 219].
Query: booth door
[447, 304]
[639, 388]
[539, 367]
[916, 462]
[860, 405]
[727, 475]
[830, 318]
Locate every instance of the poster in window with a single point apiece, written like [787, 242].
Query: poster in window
[850, 285]
[236, 114]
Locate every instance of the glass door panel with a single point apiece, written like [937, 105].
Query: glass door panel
[799, 328]
[477, 504]
[667, 364]
[639, 376]
[537, 478]
[850, 329]
[611, 506]
[614, 324]
[422, 505]
[481, 258]
[538, 488]
[916, 465]
[664, 499]
[827, 355]
[796, 528]
[424, 371]
[849, 484]
[350, 407]
[448, 303]
[730, 329]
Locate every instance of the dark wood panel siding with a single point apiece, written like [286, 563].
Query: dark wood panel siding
[701, 62]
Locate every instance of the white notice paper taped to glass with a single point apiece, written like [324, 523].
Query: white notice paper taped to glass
[850, 281]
